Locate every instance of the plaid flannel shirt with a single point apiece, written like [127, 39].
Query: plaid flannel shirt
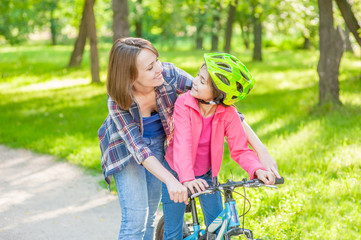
[120, 136]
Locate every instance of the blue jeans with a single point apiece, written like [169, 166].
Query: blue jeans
[174, 212]
[139, 194]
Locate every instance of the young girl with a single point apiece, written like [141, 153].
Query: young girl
[202, 118]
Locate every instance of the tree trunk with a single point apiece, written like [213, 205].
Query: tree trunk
[306, 43]
[347, 39]
[77, 54]
[245, 35]
[200, 23]
[257, 31]
[229, 27]
[53, 25]
[199, 36]
[138, 21]
[92, 34]
[332, 46]
[350, 19]
[215, 29]
[120, 19]
[199, 42]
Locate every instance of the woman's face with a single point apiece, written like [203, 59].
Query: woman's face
[201, 88]
[149, 71]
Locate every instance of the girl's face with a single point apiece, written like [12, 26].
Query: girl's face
[202, 88]
[149, 71]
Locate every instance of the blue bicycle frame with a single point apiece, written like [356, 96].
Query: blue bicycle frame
[224, 226]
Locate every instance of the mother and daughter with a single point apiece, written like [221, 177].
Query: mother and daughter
[147, 119]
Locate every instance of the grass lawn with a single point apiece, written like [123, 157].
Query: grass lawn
[50, 109]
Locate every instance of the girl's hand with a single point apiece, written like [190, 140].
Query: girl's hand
[269, 163]
[199, 184]
[265, 176]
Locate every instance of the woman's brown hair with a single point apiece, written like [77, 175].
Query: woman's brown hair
[122, 69]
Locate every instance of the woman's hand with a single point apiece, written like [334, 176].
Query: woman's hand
[265, 176]
[177, 192]
[269, 163]
[198, 184]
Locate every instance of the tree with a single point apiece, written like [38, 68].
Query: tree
[120, 19]
[347, 40]
[87, 29]
[229, 28]
[257, 31]
[78, 50]
[244, 17]
[332, 46]
[139, 19]
[216, 25]
[92, 33]
[350, 19]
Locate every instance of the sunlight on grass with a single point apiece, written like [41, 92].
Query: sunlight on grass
[51, 85]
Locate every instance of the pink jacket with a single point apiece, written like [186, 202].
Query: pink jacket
[182, 150]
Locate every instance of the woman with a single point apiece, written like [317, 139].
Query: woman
[142, 92]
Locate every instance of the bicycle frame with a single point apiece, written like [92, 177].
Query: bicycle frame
[227, 223]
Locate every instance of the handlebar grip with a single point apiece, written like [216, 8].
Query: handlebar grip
[280, 181]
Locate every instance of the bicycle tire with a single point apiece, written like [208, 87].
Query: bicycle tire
[159, 232]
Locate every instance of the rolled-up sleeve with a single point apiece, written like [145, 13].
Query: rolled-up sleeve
[179, 78]
[129, 132]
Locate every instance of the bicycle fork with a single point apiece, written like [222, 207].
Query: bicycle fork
[233, 217]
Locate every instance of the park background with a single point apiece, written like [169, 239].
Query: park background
[53, 97]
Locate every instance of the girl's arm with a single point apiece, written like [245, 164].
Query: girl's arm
[266, 159]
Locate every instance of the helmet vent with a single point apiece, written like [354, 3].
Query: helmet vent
[234, 60]
[244, 76]
[218, 56]
[234, 97]
[224, 66]
[222, 78]
[239, 87]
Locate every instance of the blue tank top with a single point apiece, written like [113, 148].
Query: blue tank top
[152, 126]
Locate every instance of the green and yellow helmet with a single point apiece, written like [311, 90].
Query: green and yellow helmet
[230, 76]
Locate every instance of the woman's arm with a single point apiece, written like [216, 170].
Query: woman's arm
[177, 192]
[177, 77]
[266, 159]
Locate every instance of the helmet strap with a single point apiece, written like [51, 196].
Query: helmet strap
[217, 100]
[204, 102]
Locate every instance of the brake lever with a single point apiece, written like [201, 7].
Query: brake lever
[258, 184]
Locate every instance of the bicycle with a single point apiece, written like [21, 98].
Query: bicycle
[227, 223]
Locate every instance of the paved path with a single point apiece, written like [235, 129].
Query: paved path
[41, 198]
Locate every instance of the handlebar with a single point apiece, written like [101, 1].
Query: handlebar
[255, 183]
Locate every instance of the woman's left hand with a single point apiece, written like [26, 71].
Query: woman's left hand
[265, 176]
